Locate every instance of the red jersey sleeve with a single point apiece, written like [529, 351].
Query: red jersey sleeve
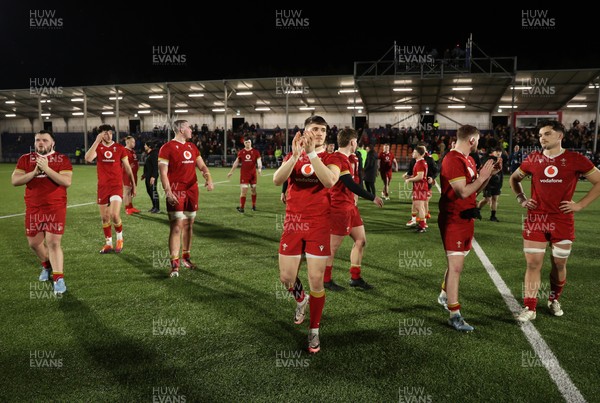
[583, 165]
[287, 157]
[163, 153]
[341, 163]
[455, 170]
[256, 155]
[525, 166]
[23, 163]
[65, 165]
[239, 155]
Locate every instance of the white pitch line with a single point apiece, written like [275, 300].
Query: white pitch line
[560, 377]
[565, 385]
[20, 214]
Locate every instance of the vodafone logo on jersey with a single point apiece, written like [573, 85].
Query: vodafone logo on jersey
[307, 170]
[551, 171]
[108, 154]
[187, 155]
[248, 156]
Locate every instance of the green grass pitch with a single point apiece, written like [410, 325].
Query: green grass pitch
[125, 332]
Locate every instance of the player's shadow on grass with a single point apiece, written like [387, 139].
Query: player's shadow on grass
[231, 298]
[205, 229]
[131, 364]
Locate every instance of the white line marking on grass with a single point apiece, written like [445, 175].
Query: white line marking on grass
[20, 214]
[562, 380]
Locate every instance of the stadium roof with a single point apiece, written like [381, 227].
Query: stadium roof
[367, 92]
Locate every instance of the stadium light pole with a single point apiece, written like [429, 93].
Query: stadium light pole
[597, 113]
[225, 124]
[85, 122]
[117, 113]
[40, 111]
[287, 116]
[169, 117]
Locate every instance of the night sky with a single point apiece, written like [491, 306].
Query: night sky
[112, 43]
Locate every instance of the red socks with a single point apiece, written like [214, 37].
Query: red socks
[327, 276]
[355, 272]
[107, 230]
[530, 303]
[253, 200]
[242, 201]
[556, 289]
[317, 303]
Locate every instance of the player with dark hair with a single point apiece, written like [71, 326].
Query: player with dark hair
[47, 175]
[177, 162]
[387, 163]
[112, 160]
[249, 158]
[420, 191]
[135, 165]
[550, 212]
[306, 225]
[344, 216]
[458, 210]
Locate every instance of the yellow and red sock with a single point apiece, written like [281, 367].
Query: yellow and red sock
[316, 301]
[355, 271]
[530, 303]
[253, 200]
[185, 254]
[444, 285]
[56, 276]
[428, 215]
[46, 265]
[242, 201]
[421, 222]
[107, 230]
[556, 289]
[174, 263]
[119, 227]
[454, 307]
[327, 276]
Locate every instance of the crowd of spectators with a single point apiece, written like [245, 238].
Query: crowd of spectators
[271, 142]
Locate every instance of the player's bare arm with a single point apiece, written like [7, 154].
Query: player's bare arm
[20, 178]
[517, 188]
[417, 178]
[233, 167]
[569, 206]
[395, 165]
[164, 169]
[328, 176]
[284, 171]
[60, 178]
[129, 171]
[259, 166]
[90, 155]
[208, 182]
[464, 190]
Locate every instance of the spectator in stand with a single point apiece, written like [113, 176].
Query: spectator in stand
[515, 159]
